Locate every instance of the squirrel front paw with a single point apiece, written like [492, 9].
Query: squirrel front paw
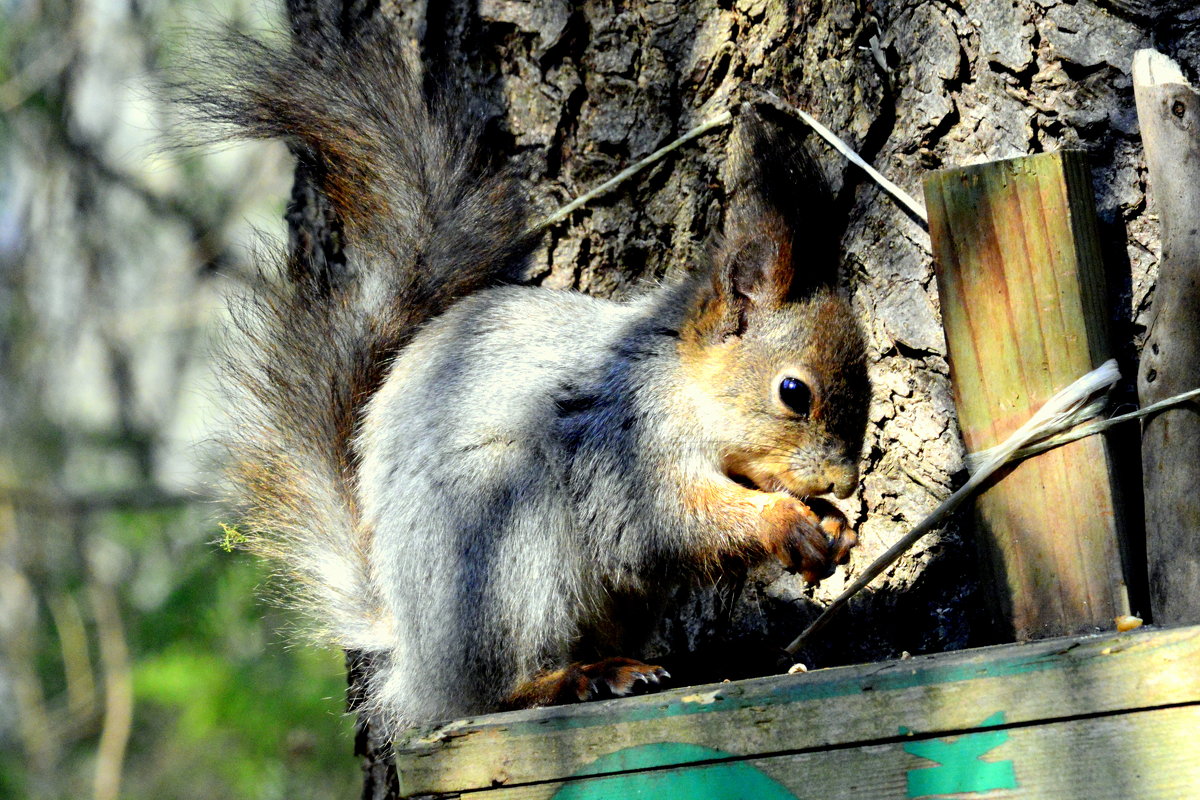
[811, 537]
[575, 683]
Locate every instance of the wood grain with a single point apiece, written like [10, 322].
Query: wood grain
[1021, 284]
[859, 706]
[1145, 755]
[1169, 115]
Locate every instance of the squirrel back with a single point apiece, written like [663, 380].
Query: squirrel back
[467, 481]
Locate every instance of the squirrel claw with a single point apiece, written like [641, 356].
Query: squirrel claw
[612, 677]
[812, 538]
[618, 677]
[840, 546]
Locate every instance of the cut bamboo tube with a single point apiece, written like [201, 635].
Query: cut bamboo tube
[1022, 289]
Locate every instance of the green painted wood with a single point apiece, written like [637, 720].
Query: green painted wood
[831, 709]
[1021, 287]
[1140, 755]
[631, 773]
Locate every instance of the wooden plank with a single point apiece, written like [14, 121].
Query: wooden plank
[1143, 755]
[1021, 285]
[1169, 115]
[836, 708]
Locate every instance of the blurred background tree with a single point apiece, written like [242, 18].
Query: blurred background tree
[134, 656]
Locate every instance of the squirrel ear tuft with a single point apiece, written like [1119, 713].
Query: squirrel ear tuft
[780, 238]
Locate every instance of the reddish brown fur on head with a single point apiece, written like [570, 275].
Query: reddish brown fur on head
[769, 312]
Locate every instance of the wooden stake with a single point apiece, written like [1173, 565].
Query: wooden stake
[1021, 285]
[1169, 113]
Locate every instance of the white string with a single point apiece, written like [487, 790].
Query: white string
[1099, 426]
[895, 191]
[1072, 406]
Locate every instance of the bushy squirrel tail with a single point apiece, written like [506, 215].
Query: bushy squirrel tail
[421, 228]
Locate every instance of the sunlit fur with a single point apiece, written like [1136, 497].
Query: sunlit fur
[465, 481]
[533, 452]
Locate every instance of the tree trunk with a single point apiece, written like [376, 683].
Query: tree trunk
[577, 91]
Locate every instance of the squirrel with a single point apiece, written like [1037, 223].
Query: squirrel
[463, 477]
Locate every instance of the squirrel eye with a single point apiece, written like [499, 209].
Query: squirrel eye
[795, 394]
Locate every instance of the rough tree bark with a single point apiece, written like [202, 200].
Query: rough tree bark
[576, 91]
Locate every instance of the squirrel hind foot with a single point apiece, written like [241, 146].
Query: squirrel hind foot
[578, 682]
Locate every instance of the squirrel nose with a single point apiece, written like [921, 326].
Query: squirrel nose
[844, 479]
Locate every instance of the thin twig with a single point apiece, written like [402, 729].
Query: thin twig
[45, 68]
[895, 191]
[145, 498]
[723, 118]
[77, 663]
[118, 694]
[886, 560]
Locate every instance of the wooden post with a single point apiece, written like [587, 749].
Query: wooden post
[1169, 114]
[1022, 288]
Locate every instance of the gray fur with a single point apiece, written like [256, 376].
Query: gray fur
[463, 481]
[521, 465]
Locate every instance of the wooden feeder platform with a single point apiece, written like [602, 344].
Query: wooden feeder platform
[1104, 716]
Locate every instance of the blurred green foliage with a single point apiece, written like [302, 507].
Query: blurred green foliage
[137, 657]
[256, 718]
[224, 705]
